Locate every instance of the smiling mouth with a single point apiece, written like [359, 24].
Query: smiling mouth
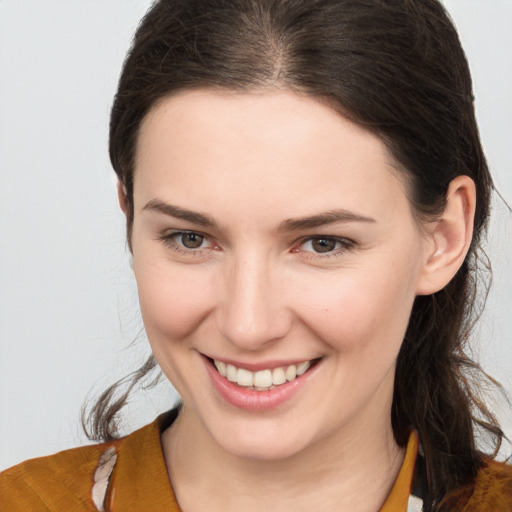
[263, 380]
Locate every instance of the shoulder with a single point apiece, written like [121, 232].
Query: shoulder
[51, 483]
[78, 479]
[493, 488]
[491, 491]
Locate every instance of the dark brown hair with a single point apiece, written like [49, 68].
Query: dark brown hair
[395, 67]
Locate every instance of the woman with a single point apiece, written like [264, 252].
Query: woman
[305, 192]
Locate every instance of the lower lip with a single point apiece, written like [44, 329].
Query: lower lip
[252, 400]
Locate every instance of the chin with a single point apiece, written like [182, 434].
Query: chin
[260, 440]
[262, 449]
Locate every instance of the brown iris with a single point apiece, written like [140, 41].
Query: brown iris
[191, 240]
[323, 244]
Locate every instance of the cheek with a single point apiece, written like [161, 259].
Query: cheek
[173, 301]
[363, 309]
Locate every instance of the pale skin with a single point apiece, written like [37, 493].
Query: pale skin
[251, 285]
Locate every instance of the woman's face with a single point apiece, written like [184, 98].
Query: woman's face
[272, 235]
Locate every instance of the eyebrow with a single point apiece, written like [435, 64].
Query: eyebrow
[181, 213]
[323, 219]
[313, 221]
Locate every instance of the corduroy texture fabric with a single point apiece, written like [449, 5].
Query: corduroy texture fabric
[492, 491]
[59, 482]
[63, 482]
[139, 481]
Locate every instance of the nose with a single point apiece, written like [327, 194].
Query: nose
[252, 312]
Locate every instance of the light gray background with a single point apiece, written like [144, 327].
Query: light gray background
[68, 307]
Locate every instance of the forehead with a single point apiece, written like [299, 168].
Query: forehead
[276, 150]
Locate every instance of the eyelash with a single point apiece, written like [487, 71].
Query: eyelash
[169, 239]
[344, 245]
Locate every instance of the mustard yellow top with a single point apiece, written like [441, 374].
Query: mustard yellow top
[133, 477]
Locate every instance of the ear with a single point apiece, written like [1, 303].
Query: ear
[122, 196]
[449, 237]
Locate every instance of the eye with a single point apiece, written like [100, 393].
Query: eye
[325, 245]
[186, 242]
[322, 245]
[190, 240]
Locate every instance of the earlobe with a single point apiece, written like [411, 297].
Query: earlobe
[122, 197]
[449, 237]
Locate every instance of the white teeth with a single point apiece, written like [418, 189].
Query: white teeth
[278, 376]
[221, 367]
[302, 367]
[262, 380]
[231, 373]
[291, 372]
[244, 378]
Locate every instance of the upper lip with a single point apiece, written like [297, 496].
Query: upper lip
[260, 365]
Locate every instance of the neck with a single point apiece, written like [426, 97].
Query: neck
[332, 474]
